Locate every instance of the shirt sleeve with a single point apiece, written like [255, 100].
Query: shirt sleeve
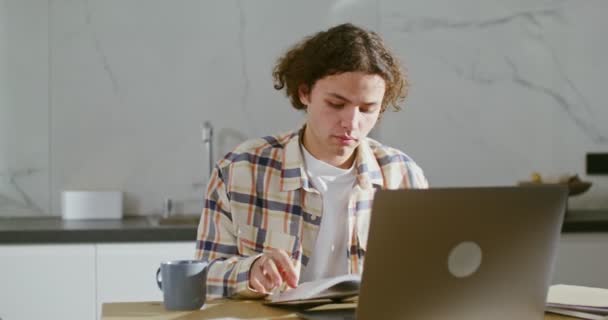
[414, 177]
[228, 270]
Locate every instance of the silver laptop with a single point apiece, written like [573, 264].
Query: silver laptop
[459, 253]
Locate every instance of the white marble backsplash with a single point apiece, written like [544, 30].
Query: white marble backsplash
[24, 109]
[110, 94]
[501, 89]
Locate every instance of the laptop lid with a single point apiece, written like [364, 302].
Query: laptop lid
[461, 253]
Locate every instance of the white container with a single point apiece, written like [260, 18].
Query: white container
[77, 205]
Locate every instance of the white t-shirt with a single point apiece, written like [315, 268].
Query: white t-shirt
[328, 258]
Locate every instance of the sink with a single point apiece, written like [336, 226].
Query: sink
[180, 219]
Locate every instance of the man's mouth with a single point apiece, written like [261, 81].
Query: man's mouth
[346, 139]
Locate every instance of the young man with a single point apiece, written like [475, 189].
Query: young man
[296, 207]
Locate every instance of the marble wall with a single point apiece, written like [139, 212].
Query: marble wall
[111, 94]
[24, 109]
[501, 89]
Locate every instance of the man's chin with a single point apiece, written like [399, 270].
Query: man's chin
[346, 150]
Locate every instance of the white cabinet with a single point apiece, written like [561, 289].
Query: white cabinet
[126, 272]
[69, 281]
[582, 260]
[47, 282]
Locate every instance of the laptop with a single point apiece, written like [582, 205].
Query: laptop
[459, 253]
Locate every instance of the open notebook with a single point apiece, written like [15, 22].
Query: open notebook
[577, 299]
[336, 288]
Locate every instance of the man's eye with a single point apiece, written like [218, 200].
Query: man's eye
[368, 110]
[335, 105]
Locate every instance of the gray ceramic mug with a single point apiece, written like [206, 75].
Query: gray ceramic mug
[183, 283]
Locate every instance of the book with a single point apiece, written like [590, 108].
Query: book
[575, 314]
[333, 289]
[578, 298]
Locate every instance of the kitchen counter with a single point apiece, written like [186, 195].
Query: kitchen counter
[149, 229]
[586, 221]
[56, 230]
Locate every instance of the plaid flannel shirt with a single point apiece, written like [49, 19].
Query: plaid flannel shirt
[259, 197]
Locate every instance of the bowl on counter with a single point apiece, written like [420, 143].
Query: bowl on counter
[575, 185]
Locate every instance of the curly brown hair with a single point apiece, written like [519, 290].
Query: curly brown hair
[343, 48]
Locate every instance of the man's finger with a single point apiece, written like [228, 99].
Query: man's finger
[286, 267]
[256, 285]
[272, 272]
[263, 278]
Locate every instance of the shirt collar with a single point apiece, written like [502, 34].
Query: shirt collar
[293, 175]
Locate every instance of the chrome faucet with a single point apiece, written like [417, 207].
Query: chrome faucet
[207, 136]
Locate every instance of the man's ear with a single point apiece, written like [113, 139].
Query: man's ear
[304, 94]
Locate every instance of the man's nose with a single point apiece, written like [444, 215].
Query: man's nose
[349, 118]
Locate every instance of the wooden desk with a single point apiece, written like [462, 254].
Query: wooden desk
[232, 309]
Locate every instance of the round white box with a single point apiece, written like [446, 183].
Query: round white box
[91, 205]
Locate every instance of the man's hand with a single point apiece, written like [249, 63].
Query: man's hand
[270, 271]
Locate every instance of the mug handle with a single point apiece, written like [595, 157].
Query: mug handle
[159, 280]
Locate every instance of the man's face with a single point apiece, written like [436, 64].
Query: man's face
[342, 109]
